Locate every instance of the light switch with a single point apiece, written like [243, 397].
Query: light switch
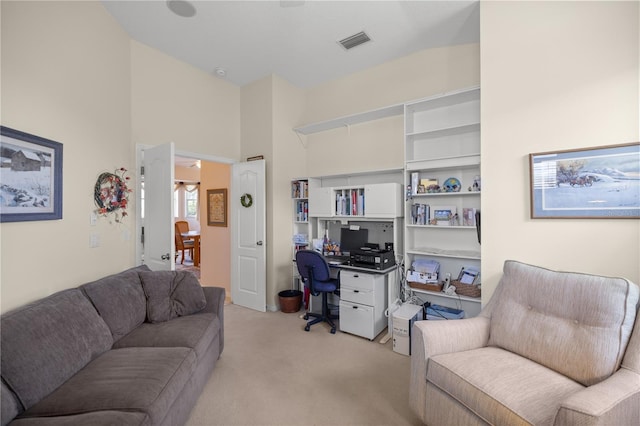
[93, 218]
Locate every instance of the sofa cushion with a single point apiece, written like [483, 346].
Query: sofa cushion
[501, 387]
[545, 315]
[48, 341]
[9, 405]
[97, 418]
[193, 331]
[119, 299]
[171, 294]
[146, 380]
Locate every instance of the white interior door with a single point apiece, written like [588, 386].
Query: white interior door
[159, 245]
[248, 246]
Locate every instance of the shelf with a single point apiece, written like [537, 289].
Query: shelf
[456, 254]
[444, 100]
[349, 120]
[466, 161]
[441, 294]
[446, 131]
[411, 225]
[445, 194]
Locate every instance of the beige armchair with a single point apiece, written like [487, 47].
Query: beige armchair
[550, 348]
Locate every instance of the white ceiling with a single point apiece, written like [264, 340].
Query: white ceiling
[296, 40]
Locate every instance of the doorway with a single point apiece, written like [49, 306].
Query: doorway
[202, 174]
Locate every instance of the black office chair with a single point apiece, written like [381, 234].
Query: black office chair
[315, 274]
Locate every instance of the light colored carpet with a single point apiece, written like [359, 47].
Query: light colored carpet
[272, 372]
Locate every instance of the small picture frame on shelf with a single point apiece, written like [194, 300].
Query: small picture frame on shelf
[428, 182]
[443, 215]
[468, 275]
[468, 216]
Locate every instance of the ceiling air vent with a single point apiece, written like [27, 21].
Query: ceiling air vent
[354, 40]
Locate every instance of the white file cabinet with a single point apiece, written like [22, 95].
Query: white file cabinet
[363, 300]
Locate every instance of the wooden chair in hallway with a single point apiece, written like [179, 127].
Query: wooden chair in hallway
[182, 244]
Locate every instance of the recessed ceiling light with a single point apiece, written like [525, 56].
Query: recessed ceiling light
[181, 8]
[220, 72]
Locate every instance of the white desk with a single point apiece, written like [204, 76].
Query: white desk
[364, 299]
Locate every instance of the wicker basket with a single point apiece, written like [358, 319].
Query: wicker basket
[427, 287]
[468, 290]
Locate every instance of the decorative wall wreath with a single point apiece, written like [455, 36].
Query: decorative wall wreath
[246, 200]
[111, 194]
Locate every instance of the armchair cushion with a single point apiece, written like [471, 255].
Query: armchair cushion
[545, 315]
[171, 294]
[501, 387]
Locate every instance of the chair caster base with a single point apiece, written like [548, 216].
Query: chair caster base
[333, 331]
[307, 328]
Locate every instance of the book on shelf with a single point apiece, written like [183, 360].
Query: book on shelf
[350, 202]
[468, 216]
[300, 189]
[420, 214]
[302, 211]
[300, 240]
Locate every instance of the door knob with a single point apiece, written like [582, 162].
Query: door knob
[165, 256]
[259, 243]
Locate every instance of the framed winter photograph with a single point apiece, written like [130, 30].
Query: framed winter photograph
[30, 177]
[601, 182]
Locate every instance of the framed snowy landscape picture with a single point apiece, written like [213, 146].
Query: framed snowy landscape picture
[600, 182]
[30, 177]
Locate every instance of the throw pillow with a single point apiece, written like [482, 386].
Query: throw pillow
[171, 294]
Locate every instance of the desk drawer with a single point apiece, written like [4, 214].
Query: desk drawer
[357, 319]
[357, 295]
[360, 280]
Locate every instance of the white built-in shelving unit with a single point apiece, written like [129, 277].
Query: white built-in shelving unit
[442, 145]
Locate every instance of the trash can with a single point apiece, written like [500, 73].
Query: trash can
[290, 301]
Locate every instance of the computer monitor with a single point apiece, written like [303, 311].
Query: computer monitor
[352, 239]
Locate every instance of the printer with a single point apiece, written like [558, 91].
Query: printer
[372, 258]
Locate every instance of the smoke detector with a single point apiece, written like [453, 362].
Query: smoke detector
[354, 40]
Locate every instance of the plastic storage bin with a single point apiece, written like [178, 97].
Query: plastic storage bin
[437, 312]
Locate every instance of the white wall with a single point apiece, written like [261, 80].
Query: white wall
[555, 75]
[289, 162]
[65, 77]
[379, 145]
[172, 101]
[270, 109]
[71, 74]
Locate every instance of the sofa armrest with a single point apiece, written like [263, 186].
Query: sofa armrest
[430, 338]
[215, 304]
[614, 401]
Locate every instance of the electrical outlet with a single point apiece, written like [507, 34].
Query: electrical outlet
[94, 240]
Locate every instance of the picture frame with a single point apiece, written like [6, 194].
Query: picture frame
[443, 215]
[217, 207]
[30, 177]
[599, 183]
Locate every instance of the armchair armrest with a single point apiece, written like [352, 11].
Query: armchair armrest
[614, 401]
[430, 338]
[215, 304]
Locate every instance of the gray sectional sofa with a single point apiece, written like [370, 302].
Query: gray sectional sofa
[134, 348]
